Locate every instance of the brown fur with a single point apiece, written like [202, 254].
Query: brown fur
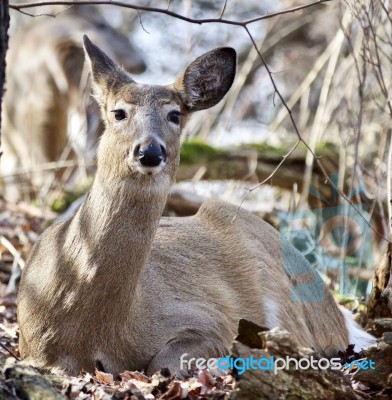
[120, 285]
[46, 94]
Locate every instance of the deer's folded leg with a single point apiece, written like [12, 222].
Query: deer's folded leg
[181, 354]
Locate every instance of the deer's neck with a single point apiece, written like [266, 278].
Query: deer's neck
[117, 225]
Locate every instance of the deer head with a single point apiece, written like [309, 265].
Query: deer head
[144, 122]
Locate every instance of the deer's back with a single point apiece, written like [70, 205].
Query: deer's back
[245, 270]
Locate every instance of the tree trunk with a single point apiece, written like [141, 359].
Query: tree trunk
[380, 301]
[4, 25]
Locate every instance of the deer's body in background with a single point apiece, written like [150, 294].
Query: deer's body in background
[47, 103]
[120, 287]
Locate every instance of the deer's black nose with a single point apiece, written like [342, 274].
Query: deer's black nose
[151, 155]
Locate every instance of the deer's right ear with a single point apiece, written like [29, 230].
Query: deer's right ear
[106, 74]
[205, 82]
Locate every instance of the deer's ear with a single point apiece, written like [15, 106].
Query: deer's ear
[106, 74]
[205, 82]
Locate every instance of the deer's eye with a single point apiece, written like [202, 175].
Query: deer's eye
[119, 114]
[174, 117]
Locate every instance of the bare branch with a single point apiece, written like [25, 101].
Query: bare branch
[9, 351]
[317, 158]
[141, 22]
[270, 176]
[223, 9]
[22, 6]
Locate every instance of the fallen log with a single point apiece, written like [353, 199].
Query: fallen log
[304, 384]
[255, 163]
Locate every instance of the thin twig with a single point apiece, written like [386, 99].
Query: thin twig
[267, 178]
[223, 9]
[389, 185]
[15, 253]
[317, 158]
[141, 22]
[22, 6]
[9, 351]
[38, 15]
[52, 165]
[318, 124]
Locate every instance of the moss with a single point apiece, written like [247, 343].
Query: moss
[362, 307]
[326, 148]
[265, 147]
[322, 148]
[349, 302]
[196, 150]
[60, 204]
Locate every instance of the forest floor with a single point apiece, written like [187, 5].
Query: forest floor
[21, 225]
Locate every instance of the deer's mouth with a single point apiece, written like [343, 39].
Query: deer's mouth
[149, 170]
[135, 167]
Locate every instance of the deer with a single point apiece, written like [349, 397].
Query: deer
[47, 111]
[120, 287]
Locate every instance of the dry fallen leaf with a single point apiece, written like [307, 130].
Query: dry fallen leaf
[128, 375]
[174, 393]
[104, 378]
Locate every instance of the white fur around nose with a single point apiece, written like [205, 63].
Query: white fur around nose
[356, 335]
[271, 313]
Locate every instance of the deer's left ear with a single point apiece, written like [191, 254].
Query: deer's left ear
[206, 81]
[106, 74]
